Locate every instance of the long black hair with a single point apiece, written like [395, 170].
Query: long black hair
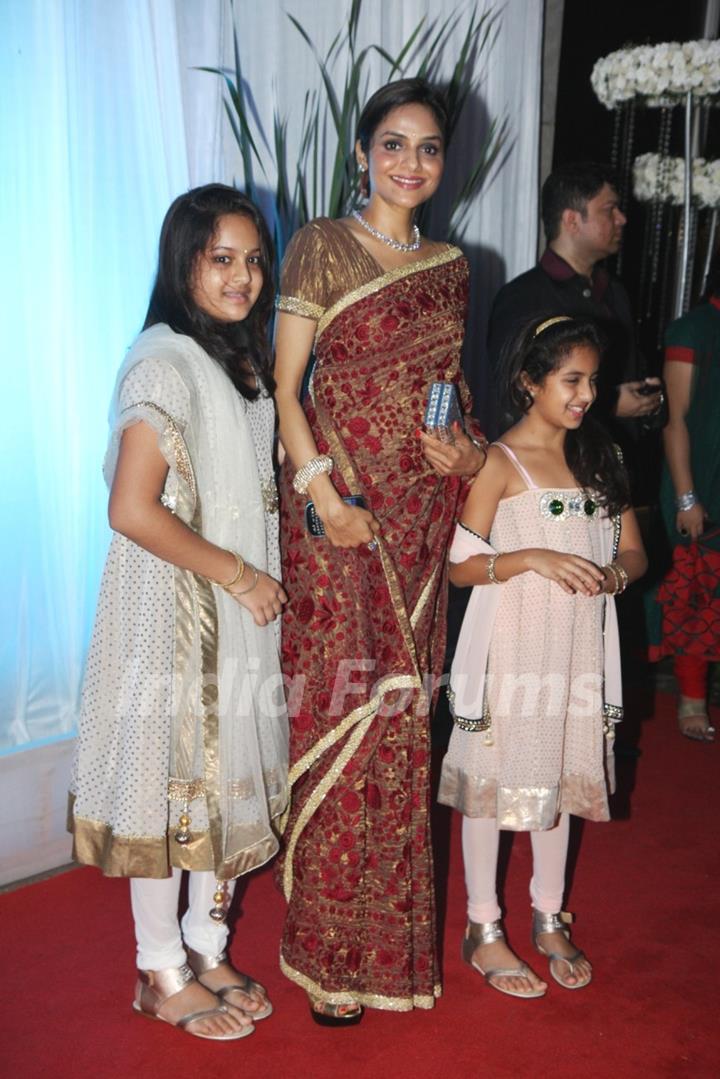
[241, 348]
[590, 453]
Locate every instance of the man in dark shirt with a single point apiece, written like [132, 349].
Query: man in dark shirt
[583, 225]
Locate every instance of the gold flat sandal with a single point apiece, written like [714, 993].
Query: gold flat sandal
[200, 964]
[155, 987]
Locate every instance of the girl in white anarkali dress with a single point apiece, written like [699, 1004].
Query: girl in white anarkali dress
[182, 749]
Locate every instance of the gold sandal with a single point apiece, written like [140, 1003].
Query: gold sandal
[558, 923]
[155, 987]
[200, 964]
[478, 933]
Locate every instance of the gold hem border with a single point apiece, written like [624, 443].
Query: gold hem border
[368, 1000]
[388, 278]
[94, 843]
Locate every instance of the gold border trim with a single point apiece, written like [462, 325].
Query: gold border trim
[293, 305]
[183, 464]
[423, 598]
[404, 681]
[185, 790]
[388, 278]
[361, 717]
[369, 1000]
[94, 843]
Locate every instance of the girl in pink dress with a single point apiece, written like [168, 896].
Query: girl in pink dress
[535, 684]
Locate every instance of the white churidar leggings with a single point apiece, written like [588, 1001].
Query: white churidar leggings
[480, 842]
[157, 930]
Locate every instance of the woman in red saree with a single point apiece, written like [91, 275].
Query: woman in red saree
[383, 309]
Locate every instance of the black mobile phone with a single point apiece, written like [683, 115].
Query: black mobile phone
[649, 388]
[313, 523]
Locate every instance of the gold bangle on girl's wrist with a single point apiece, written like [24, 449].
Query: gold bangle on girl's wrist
[492, 578]
[622, 572]
[619, 576]
[609, 569]
[244, 592]
[239, 570]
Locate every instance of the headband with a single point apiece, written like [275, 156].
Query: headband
[551, 322]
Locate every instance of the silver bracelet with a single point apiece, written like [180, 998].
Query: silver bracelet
[312, 468]
[491, 568]
[686, 501]
[482, 446]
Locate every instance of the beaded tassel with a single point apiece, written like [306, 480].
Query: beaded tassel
[218, 913]
[182, 835]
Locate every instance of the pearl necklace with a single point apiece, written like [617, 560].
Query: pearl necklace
[395, 244]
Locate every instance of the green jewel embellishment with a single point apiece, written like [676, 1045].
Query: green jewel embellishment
[561, 505]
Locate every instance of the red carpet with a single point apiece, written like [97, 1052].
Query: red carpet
[645, 890]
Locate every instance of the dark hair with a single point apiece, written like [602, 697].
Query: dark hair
[589, 451]
[241, 348]
[570, 187]
[392, 96]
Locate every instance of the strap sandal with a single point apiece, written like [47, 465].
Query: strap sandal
[558, 923]
[335, 1015]
[155, 987]
[478, 933]
[200, 964]
[692, 709]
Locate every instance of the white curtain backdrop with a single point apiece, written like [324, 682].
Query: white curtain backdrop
[92, 141]
[501, 234]
[104, 120]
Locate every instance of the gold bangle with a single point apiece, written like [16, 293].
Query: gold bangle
[492, 578]
[623, 575]
[239, 570]
[610, 569]
[250, 588]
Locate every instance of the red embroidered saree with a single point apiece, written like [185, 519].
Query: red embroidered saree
[364, 630]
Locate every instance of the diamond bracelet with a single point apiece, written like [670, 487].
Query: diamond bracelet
[686, 501]
[312, 468]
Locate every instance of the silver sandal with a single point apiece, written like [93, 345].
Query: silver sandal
[200, 964]
[690, 708]
[558, 923]
[155, 987]
[478, 933]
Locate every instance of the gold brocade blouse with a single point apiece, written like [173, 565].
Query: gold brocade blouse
[324, 261]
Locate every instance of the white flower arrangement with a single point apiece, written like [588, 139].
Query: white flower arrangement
[655, 177]
[659, 74]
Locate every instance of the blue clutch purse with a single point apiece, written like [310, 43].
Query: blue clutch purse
[443, 409]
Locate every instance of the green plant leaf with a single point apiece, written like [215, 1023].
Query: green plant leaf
[322, 178]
